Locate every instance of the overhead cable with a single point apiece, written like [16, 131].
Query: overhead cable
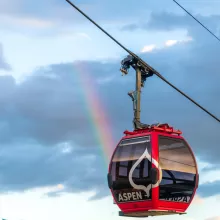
[197, 20]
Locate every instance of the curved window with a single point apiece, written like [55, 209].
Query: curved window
[178, 170]
[128, 152]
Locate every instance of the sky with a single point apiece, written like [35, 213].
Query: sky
[64, 103]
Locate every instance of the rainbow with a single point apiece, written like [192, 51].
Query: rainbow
[96, 112]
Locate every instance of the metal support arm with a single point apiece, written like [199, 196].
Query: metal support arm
[141, 76]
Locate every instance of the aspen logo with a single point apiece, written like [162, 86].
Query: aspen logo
[179, 199]
[129, 196]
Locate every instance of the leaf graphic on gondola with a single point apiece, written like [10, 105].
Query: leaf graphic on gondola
[142, 187]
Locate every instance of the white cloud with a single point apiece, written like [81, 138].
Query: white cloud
[76, 206]
[44, 190]
[33, 22]
[67, 206]
[214, 218]
[25, 22]
[209, 176]
[197, 200]
[148, 48]
[84, 35]
[67, 148]
[189, 218]
[170, 43]
[70, 33]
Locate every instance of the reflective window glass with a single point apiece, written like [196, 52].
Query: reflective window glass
[178, 170]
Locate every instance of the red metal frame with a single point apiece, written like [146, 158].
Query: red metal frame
[164, 128]
[155, 203]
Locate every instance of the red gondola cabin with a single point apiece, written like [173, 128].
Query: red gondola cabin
[153, 172]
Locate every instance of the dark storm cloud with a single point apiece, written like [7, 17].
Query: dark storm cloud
[39, 18]
[38, 115]
[62, 11]
[3, 64]
[49, 108]
[42, 18]
[211, 167]
[168, 21]
[29, 165]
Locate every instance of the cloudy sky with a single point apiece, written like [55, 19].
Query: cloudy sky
[64, 103]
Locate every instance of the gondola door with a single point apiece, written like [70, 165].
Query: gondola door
[130, 173]
[179, 171]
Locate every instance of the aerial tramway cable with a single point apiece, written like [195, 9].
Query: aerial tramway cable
[197, 20]
[143, 63]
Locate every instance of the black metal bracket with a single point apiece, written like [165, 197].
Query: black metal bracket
[130, 61]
